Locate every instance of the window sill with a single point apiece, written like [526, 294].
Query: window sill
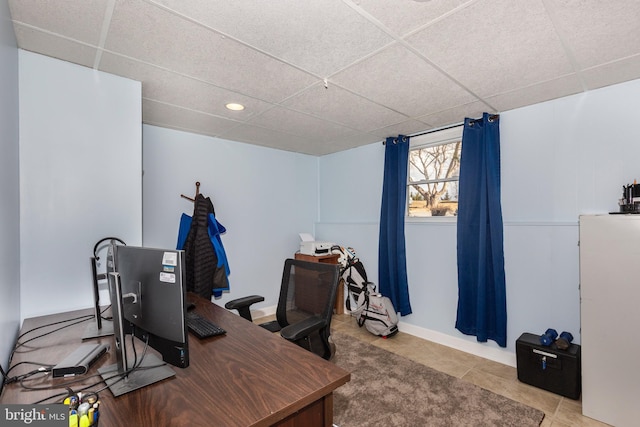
[432, 220]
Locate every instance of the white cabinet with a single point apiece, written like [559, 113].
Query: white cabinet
[610, 318]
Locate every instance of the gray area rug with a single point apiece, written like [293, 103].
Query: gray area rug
[388, 390]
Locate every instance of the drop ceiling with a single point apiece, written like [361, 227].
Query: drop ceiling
[322, 76]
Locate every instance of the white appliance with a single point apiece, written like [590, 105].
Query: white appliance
[610, 318]
[309, 246]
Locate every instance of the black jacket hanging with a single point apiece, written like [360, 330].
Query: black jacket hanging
[203, 274]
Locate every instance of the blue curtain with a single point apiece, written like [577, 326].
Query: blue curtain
[482, 306]
[392, 260]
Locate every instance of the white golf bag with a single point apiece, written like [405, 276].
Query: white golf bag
[371, 309]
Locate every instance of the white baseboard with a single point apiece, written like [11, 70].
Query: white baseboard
[484, 350]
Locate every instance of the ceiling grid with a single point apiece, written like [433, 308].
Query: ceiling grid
[322, 76]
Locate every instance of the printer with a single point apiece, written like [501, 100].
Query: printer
[309, 246]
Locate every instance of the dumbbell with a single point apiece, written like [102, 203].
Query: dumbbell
[548, 337]
[564, 340]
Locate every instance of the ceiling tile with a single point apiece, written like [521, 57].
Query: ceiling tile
[172, 88]
[599, 31]
[79, 20]
[456, 114]
[345, 142]
[612, 73]
[408, 127]
[166, 40]
[320, 36]
[410, 15]
[400, 80]
[494, 46]
[270, 138]
[338, 105]
[165, 115]
[564, 86]
[56, 47]
[300, 124]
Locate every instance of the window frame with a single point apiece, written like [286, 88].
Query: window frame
[431, 139]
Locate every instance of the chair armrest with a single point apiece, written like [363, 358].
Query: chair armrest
[242, 305]
[303, 328]
[243, 302]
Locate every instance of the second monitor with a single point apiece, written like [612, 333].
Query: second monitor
[148, 292]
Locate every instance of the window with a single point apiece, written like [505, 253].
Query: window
[434, 167]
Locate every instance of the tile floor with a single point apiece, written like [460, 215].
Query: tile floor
[496, 377]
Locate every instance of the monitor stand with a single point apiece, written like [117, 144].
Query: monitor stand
[150, 371]
[92, 330]
[98, 328]
[118, 376]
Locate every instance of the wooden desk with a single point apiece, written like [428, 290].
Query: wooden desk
[248, 377]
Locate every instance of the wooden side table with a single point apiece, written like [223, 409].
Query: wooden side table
[329, 259]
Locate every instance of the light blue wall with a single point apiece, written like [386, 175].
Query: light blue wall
[264, 198]
[560, 159]
[9, 188]
[80, 177]
[351, 185]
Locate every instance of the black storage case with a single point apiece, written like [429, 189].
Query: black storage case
[549, 368]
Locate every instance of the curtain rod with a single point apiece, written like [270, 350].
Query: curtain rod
[491, 118]
[437, 129]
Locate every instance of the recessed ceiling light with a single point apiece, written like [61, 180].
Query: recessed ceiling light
[235, 107]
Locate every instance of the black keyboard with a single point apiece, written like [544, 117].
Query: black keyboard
[201, 327]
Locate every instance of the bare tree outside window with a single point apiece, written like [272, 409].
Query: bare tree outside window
[433, 178]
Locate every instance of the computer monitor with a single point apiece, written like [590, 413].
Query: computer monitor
[147, 291]
[101, 327]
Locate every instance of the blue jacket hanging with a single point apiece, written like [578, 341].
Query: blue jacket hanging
[205, 258]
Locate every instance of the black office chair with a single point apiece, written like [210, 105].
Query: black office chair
[305, 306]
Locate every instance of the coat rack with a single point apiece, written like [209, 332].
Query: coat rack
[194, 197]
